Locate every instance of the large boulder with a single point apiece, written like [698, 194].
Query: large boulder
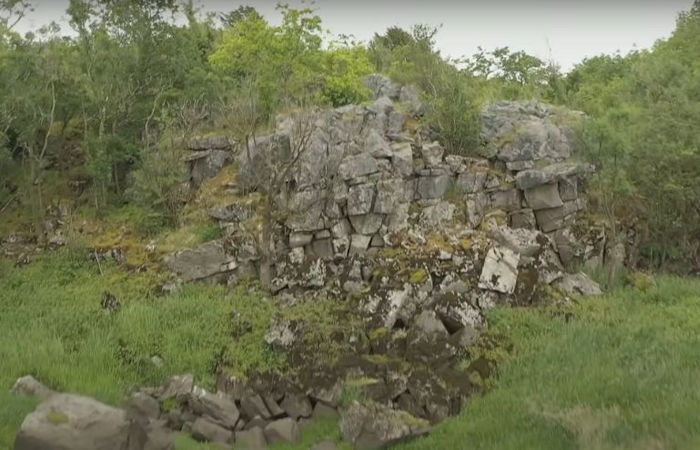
[200, 263]
[72, 422]
[373, 426]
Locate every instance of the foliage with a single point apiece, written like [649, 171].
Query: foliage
[453, 107]
[642, 137]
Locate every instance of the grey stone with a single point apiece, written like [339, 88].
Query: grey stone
[381, 86]
[360, 199]
[28, 385]
[398, 219]
[519, 165]
[357, 166]
[471, 181]
[373, 426]
[376, 145]
[528, 179]
[550, 219]
[476, 207]
[395, 123]
[341, 247]
[432, 154]
[433, 187]
[296, 406]
[389, 194]
[523, 218]
[543, 197]
[207, 164]
[275, 411]
[428, 326]
[142, 407]
[256, 422]
[253, 439]
[217, 407]
[323, 248]
[568, 188]
[341, 229]
[199, 263]
[72, 422]
[177, 387]
[253, 405]
[325, 445]
[283, 430]
[437, 215]
[323, 411]
[508, 200]
[410, 96]
[367, 223]
[578, 284]
[207, 431]
[210, 143]
[500, 271]
[522, 241]
[300, 239]
[402, 158]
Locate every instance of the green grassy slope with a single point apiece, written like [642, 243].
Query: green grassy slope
[620, 371]
[53, 327]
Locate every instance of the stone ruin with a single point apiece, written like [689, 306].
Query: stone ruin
[415, 244]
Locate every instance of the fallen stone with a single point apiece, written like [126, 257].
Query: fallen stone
[220, 409]
[373, 426]
[72, 422]
[28, 385]
[207, 431]
[199, 263]
[296, 406]
[283, 430]
[177, 387]
[500, 271]
[142, 407]
[578, 284]
[253, 439]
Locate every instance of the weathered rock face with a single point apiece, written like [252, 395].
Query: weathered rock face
[71, 422]
[419, 242]
[373, 426]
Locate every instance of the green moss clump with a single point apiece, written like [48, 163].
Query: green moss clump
[57, 418]
[418, 277]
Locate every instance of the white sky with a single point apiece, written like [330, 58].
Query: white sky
[565, 31]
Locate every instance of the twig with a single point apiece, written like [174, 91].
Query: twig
[99, 266]
[8, 203]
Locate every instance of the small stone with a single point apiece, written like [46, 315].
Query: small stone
[283, 430]
[207, 431]
[253, 439]
[322, 411]
[28, 385]
[296, 406]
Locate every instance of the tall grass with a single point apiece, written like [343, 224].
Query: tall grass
[53, 327]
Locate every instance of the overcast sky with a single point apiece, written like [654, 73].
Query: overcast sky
[565, 31]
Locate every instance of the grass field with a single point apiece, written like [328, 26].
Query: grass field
[620, 371]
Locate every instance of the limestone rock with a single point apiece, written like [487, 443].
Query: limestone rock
[437, 215]
[202, 262]
[578, 284]
[177, 387]
[357, 166]
[296, 406]
[522, 241]
[432, 154]
[207, 431]
[283, 430]
[402, 158]
[253, 439]
[543, 196]
[500, 271]
[433, 187]
[360, 199]
[220, 409]
[367, 223]
[28, 385]
[72, 422]
[374, 426]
